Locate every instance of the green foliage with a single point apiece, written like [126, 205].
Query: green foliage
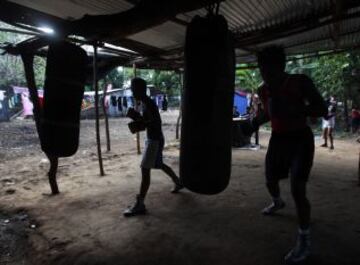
[11, 67]
[166, 81]
[328, 75]
[247, 79]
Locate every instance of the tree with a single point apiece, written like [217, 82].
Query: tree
[11, 67]
[247, 79]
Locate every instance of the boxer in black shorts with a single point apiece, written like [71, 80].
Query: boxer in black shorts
[287, 100]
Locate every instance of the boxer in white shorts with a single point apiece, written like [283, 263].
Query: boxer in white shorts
[152, 158]
[328, 123]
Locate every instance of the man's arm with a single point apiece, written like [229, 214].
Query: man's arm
[262, 116]
[316, 105]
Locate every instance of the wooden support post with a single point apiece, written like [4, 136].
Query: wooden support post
[257, 131]
[181, 76]
[107, 132]
[96, 87]
[137, 109]
[28, 60]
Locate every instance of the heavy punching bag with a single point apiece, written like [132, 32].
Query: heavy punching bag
[63, 95]
[205, 152]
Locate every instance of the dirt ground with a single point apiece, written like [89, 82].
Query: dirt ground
[84, 224]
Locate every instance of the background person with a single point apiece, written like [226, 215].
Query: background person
[328, 123]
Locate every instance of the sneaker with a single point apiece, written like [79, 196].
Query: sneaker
[332, 147]
[301, 251]
[273, 207]
[323, 145]
[177, 188]
[138, 209]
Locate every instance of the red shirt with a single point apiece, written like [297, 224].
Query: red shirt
[287, 103]
[355, 114]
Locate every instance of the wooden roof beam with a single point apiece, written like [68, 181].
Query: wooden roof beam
[143, 16]
[174, 19]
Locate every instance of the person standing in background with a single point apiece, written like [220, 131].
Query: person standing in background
[328, 123]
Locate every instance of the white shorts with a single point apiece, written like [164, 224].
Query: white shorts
[330, 123]
[152, 157]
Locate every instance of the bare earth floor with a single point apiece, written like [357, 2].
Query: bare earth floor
[84, 224]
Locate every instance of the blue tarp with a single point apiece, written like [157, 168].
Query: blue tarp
[240, 101]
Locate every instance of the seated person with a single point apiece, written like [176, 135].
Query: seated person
[236, 114]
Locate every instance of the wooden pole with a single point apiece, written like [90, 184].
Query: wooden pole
[137, 109]
[107, 132]
[257, 131]
[181, 76]
[96, 87]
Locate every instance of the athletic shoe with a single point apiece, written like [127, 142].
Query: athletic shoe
[332, 147]
[301, 251]
[273, 207]
[177, 188]
[323, 145]
[138, 209]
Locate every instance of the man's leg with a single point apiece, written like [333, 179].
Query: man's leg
[139, 206]
[331, 138]
[303, 208]
[277, 202]
[300, 171]
[302, 248]
[168, 171]
[145, 182]
[325, 135]
[272, 170]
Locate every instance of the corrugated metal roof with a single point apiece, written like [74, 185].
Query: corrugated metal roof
[301, 26]
[75, 9]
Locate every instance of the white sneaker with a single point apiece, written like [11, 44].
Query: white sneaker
[273, 207]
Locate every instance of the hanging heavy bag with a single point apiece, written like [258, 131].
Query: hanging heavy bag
[63, 95]
[205, 152]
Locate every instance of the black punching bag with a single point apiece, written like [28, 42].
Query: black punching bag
[205, 153]
[63, 95]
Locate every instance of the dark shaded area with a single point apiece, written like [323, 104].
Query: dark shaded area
[14, 231]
